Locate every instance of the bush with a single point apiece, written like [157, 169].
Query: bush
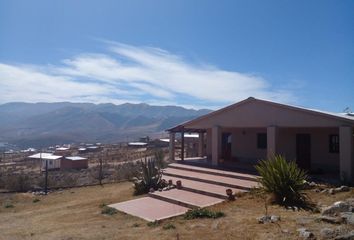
[109, 210]
[202, 213]
[150, 176]
[169, 226]
[35, 200]
[153, 224]
[8, 205]
[283, 179]
[18, 183]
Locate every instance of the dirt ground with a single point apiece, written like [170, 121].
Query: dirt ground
[76, 214]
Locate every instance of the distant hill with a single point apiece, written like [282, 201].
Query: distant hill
[43, 124]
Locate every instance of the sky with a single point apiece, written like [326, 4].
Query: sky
[196, 54]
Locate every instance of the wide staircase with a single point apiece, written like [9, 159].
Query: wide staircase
[201, 187]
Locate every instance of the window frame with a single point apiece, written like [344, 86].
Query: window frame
[262, 142]
[333, 143]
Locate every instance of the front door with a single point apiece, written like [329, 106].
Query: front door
[303, 151]
[226, 146]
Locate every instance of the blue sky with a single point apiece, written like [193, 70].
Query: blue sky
[190, 53]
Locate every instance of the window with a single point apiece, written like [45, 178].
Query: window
[334, 143]
[261, 140]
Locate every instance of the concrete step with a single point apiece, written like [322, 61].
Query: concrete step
[185, 198]
[202, 187]
[213, 171]
[150, 209]
[210, 178]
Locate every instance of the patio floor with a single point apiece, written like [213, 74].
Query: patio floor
[150, 209]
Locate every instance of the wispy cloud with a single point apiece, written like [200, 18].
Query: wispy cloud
[134, 74]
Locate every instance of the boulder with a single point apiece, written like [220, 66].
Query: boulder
[347, 236]
[333, 220]
[327, 233]
[336, 208]
[348, 217]
[305, 234]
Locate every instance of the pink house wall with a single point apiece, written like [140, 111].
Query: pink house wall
[244, 145]
[321, 158]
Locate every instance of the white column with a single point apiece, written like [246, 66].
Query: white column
[215, 145]
[201, 145]
[272, 135]
[346, 153]
[172, 146]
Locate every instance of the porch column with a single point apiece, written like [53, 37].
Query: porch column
[182, 145]
[272, 135]
[172, 146]
[201, 145]
[215, 145]
[346, 153]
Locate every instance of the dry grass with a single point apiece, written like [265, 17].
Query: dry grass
[75, 214]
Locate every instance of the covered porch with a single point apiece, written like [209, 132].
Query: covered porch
[319, 150]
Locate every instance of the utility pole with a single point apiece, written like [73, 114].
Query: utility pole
[100, 173]
[46, 178]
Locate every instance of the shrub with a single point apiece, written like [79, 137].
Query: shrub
[35, 200]
[283, 179]
[102, 205]
[150, 176]
[18, 183]
[109, 210]
[168, 226]
[153, 224]
[8, 205]
[202, 213]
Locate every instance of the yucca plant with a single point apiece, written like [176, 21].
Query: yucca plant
[284, 179]
[149, 176]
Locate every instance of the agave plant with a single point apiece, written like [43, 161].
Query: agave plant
[282, 178]
[150, 176]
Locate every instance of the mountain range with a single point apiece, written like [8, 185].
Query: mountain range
[44, 124]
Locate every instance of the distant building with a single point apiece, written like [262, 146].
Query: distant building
[74, 162]
[52, 160]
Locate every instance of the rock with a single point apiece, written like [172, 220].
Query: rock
[350, 201]
[305, 234]
[333, 220]
[343, 189]
[197, 225]
[268, 219]
[348, 236]
[274, 218]
[331, 191]
[324, 191]
[215, 225]
[348, 217]
[336, 208]
[263, 219]
[327, 233]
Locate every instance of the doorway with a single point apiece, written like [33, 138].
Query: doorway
[303, 151]
[226, 146]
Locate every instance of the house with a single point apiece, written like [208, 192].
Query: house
[74, 162]
[250, 130]
[53, 161]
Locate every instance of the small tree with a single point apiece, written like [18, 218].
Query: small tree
[283, 179]
[149, 176]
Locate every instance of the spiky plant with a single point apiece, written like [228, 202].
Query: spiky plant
[150, 176]
[284, 179]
